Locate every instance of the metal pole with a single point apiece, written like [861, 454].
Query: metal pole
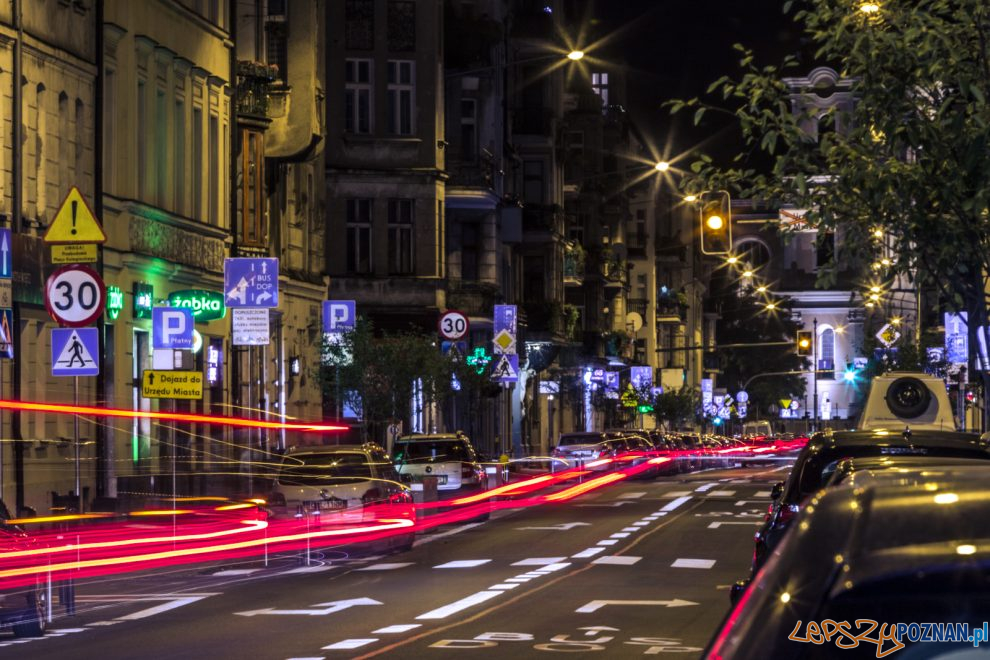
[814, 365]
[75, 426]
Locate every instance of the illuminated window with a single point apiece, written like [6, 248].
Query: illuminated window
[599, 84]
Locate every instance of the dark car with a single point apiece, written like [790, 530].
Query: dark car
[633, 448]
[880, 553]
[820, 457]
[856, 470]
[22, 609]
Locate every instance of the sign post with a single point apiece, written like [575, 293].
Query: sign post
[339, 317]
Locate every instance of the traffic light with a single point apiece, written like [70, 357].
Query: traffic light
[804, 343]
[716, 223]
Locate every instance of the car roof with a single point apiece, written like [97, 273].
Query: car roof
[426, 437]
[919, 471]
[895, 436]
[330, 449]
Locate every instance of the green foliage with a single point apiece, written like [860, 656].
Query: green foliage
[673, 408]
[913, 154]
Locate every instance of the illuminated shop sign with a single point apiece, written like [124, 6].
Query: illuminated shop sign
[115, 302]
[205, 305]
[143, 300]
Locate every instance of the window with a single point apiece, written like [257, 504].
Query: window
[469, 251]
[533, 182]
[401, 25]
[826, 354]
[599, 84]
[400, 236]
[826, 250]
[359, 19]
[357, 96]
[254, 231]
[142, 141]
[197, 163]
[469, 129]
[534, 277]
[179, 158]
[277, 37]
[359, 236]
[401, 92]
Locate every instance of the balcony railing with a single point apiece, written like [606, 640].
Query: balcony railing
[254, 81]
[574, 259]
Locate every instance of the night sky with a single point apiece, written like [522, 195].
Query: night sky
[676, 48]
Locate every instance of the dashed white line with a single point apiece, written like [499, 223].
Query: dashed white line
[762, 493]
[457, 606]
[350, 644]
[677, 493]
[618, 560]
[504, 587]
[399, 628]
[386, 567]
[464, 563]
[676, 503]
[706, 487]
[693, 563]
[306, 569]
[619, 535]
[539, 561]
[236, 571]
[631, 496]
[630, 529]
[722, 493]
[588, 552]
[608, 542]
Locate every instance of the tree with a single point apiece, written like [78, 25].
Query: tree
[672, 408]
[379, 374]
[906, 168]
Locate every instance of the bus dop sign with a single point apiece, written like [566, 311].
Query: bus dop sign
[205, 305]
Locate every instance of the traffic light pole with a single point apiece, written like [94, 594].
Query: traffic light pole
[814, 365]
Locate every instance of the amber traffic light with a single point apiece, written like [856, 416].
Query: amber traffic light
[716, 223]
[804, 342]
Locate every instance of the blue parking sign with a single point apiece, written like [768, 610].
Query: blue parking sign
[339, 315]
[172, 327]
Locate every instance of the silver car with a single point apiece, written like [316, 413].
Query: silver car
[449, 457]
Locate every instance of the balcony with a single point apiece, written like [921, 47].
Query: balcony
[672, 309]
[254, 83]
[614, 272]
[574, 259]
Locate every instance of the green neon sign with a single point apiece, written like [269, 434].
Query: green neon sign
[143, 300]
[205, 305]
[479, 360]
[115, 302]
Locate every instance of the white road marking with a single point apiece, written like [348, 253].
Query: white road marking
[610, 504]
[619, 535]
[618, 560]
[64, 631]
[172, 601]
[641, 523]
[563, 527]
[306, 569]
[504, 587]
[457, 606]
[464, 563]
[693, 563]
[650, 518]
[520, 580]
[716, 525]
[236, 571]
[104, 623]
[587, 552]
[676, 503]
[596, 605]
[386, 567]
[608, 542]
[554, 567]
[722, 493]
[327, 608]
[676, 493]
[433, 537]
[314, 657]
[706, 487]
[631, 496]
[630, 529]
[762, 493]
[539, 561]
[350, 644]
[400, 628]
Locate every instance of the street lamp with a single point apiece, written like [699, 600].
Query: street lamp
[662, 166]
[575, 55]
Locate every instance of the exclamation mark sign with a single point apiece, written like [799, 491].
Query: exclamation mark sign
[74, 204]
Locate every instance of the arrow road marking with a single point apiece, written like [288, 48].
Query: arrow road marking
[562, 526]
[172, 601]
[329, 608]
[596, 605]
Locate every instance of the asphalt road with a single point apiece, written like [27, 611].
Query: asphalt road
[637, 568]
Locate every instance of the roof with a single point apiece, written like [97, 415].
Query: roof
[431, 436]
[895, 439]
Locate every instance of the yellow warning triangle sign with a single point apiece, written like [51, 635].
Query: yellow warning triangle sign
[75, 222]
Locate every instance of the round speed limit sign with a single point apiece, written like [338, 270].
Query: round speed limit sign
[75, 296]
[453, 325]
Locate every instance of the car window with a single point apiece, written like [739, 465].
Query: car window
[317, 469]
[432, 450]
[579, 439]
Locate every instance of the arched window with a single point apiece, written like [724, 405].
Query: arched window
[826, 354]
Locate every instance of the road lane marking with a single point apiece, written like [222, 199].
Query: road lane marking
[350, 644]
[722, 493]
[706, 487]
[561, 527]
[518, 579]
[306, 569]
[464, 563]
[674, 504]
[596, 605]
[236, 571]
[554, 567]
[387, 567]
[693, 563]
[762, 493]
[630, 529]
[610, 504]
[631, 496]
[434, 537]
[608, 542]
[313, 657]
[504, 587]
[539, 561]
[619, 535]
[172, 601]
[716, 525]
[676, 493]
[588, 552]
[399, 628]
[617, 560]
[326, 608]
[459, 605]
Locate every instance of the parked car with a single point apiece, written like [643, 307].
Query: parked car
[588, 449]
[864, 470]
[821, 456]
[886, 553]
[341, 484]
[449, 457]
[23, 610]
[635, 450]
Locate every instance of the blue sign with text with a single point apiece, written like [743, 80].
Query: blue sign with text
[249, 282]
[339, 315]
[172, 327]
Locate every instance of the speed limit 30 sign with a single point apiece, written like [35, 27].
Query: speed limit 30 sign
[453, 325]
[75, 296]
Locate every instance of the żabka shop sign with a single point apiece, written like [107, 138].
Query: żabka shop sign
[205, 305]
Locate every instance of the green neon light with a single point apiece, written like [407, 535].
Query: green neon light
[205, 305]
[479, 360]
[115, 302]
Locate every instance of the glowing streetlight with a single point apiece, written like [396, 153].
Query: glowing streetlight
[869, 8]
[878, 232]
[662, 166]
[688, 198]
[714, 222]
[874, 297]
[771, 306]
[875, 289]
[575, 55]
[761, 289]
[747, 273]
[732, 260]
[885, 261]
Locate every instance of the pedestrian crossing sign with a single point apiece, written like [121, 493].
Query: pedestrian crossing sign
[75, 352]
[6, 337]
[506, 370]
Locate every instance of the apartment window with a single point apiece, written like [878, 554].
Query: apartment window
[359, 21]
[254, 231]
[534, 277]
[533, 182]
[277, 37]
[161, 149]
[197, 163]
[599, 84]
[400, 236]
[357, 96]
[641, 287]
[109, 112]
[469, 251]
[401, 31]
[469, 129]
[212, 213]
[826, 354]
[179, 158]
[825, 252]
[142, 141]
[401, 92]
[359, 236]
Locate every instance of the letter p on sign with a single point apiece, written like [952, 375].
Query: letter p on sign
[171, 327]
[338, 315]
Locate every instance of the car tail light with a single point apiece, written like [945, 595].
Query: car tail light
[276, 499]
[787, 513]
[371, 496]
[402, 497]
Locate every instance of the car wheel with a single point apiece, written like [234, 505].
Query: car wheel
[33, 623]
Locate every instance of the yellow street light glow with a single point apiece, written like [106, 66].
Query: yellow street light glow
[714, 222]
[896, 320]
[876, 265]
[805, 343]
[875, 289]
[966, 549]
[840, 329]
[878, 233]
[885, 261]
[874, 296]
[747, 273]
[869, 304]
[946, 498]
[732, 260]
[691, 198]
[761, 289]
[575, 55]
[771, 306]
[785, 597]
[662, 166]
[869, 8]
